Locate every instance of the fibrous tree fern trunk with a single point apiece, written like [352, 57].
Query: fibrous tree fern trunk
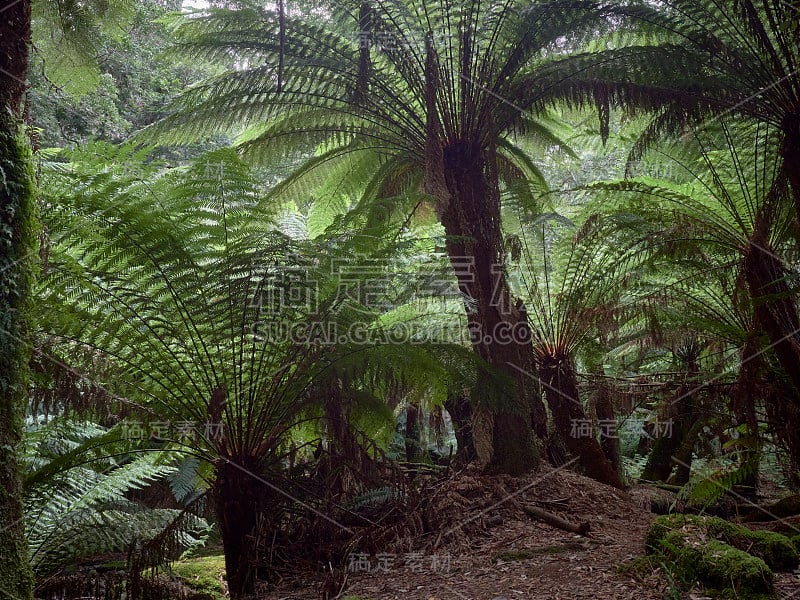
[665, 450]
[790, 150]
[774, 302]
[471, 220]
[743, 406]
[561, 390]
[16, 246]
[240, 500]
[458, 406]
[604, 409]
[413, 435]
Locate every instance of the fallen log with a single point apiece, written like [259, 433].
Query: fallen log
[555, 520]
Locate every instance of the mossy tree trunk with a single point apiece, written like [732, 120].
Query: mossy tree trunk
[677, 447]
[685, 452]
[17, 247]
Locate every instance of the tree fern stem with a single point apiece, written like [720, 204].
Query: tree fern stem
[16, 248]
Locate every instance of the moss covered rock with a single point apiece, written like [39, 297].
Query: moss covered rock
[204, 575]
[718, 564]
[704, 549]
[776, 550]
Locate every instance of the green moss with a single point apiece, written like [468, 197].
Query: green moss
[638, 568]
[776, 550]
[719, 564]
[773, 548]
[17, 257]
[690, 545]
[204, 575]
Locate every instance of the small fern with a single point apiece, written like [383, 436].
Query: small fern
[375, 497]
[82, 510]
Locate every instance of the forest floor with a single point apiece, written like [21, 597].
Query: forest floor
[489, 549]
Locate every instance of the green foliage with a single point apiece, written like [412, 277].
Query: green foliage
[703, 490]
[185, 281]
[289, 104]
[68, 33]
[77, 507]
[374, 497]
[122, 65]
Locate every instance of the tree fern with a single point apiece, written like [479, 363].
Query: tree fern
[187, 282]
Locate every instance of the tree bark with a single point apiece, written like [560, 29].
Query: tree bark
[555, 520]
[790, 151]
[660, 462]
[413, 436]
[685, 451]
[239, 502]
[471, 219]
[460, 411]
[17, 243]
[773, 302]
[561, 392]
[604, 409]
[743, 406]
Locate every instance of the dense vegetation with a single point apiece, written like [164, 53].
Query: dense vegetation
[299, 262]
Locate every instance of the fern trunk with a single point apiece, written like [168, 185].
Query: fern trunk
[239, 501]
[561, 390]
[604, 409]
[660, 461]
[773, 301]
[413, 435]
[790, 150]
[458, 406]
[17, 237]
[743, 406]
[471, 219]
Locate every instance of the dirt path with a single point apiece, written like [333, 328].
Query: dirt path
[490, 550]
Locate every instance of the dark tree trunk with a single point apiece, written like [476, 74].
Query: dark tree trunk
[347, 464]
[460, 411]
[659, 463]
[16, 249]
[471, 219]
[773, 302]
[790, 151]
[413, 433]
[604, 409]
[671, 449]
[240, 502]
[743, 407]
[685, 451]
[15, 37]
[561, 390]
[662, 457]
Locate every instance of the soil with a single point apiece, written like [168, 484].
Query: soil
[487, 548]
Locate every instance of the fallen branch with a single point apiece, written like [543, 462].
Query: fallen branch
[555, 520]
